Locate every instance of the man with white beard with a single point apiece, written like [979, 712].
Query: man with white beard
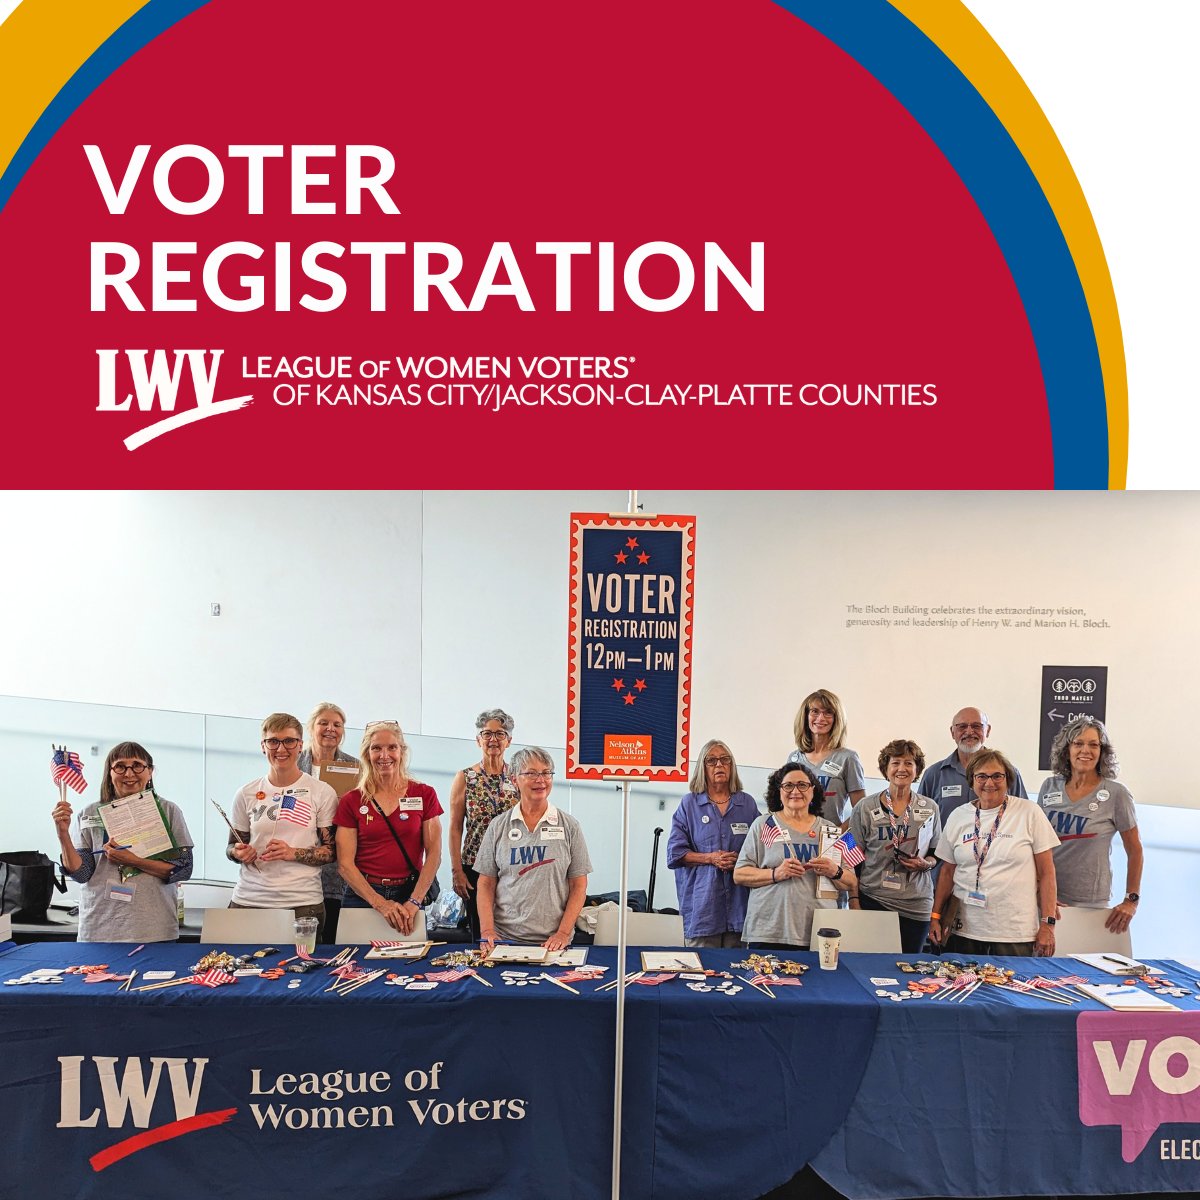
[946, 782]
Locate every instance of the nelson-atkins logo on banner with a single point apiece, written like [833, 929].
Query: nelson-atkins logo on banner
[629, 653]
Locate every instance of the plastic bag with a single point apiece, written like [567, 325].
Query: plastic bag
[446, 912]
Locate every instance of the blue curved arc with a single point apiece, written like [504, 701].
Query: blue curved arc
[981, 150]
[122, 44]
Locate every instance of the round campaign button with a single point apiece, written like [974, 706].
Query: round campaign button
[1103, 794]
[362, 812]
[514, 834]
[1093, 806]
[404, 816]
[704, 820]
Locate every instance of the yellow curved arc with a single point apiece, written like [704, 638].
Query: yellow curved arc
[955, 30]
[42, 44]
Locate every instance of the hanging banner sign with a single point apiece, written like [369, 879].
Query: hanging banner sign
[629, 669]
[1067, 693]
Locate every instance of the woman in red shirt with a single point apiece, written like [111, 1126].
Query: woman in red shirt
[389, 838]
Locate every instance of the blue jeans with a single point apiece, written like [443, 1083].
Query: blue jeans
[392, 891]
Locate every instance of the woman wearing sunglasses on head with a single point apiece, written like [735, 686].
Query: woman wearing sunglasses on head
[389, 838]
[124, 898]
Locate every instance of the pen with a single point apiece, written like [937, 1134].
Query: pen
[135, 950]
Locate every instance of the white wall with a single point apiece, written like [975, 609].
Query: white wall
[430, 606]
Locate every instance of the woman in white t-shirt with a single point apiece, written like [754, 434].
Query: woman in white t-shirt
[998, 863]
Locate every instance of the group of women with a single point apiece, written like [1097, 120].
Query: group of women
[378, 845]
[521, 865]
[1007, 864]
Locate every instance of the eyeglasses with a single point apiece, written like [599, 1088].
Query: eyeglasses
[1086, 745]
[962, 726]
[721, 760]
[380, 725]
[129, 768]
[493, 735]
[795, 787]
[273, 743]
[994, 777]
[535, 774]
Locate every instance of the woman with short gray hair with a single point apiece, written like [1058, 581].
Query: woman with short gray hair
[478, 794]
[533, 864]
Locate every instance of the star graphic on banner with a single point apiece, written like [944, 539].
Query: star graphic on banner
[629, 697]
[618, 684]
[620, 556]
[631, 542]
[643, 558]
[640, 685]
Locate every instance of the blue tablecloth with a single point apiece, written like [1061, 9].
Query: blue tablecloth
[469, 1091]
[983, 1097]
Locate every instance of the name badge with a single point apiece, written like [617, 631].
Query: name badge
[739, 827]
[554, 835]
[1054, 798]
[411, 804]
[951, 789]
[977, 899]
[892, 881]
[831, 768]
[123, 894]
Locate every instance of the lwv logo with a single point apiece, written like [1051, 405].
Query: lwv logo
[156, 380]
[128, 1093]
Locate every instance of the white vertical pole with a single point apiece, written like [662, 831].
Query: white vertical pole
[622, 933]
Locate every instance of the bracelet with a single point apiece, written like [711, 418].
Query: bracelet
[772, 874]
[935, 916]
[838, 873]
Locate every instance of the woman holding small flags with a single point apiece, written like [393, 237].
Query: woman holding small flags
[782, 863]
[998, 864]
[124, 897]
[897, 830]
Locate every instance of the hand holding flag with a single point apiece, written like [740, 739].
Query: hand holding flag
[66, 769]
[849, 849]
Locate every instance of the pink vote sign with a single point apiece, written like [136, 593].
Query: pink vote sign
[1138, 1071]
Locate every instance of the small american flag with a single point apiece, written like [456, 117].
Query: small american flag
[295, 809]
[851, 854]
[65, 767]
[214, 978]
[771, 832]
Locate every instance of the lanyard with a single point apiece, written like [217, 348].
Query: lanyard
[896, 831]
[980, 857]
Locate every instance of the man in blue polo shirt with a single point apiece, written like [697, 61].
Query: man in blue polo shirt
[946, 782]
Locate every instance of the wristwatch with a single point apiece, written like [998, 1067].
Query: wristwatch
[1133, 897]
[838, 873]
[1049, 920]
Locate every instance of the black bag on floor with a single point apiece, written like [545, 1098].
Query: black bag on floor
[27, 883]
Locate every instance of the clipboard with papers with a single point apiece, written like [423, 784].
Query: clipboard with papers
[139, 824]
